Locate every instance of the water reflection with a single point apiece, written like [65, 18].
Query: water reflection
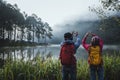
[52, 51]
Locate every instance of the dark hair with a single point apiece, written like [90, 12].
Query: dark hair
[95, 41]
[68, 36]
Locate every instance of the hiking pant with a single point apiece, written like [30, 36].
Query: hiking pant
[96, 71]
[69, 72]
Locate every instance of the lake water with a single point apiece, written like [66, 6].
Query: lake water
[28, 53]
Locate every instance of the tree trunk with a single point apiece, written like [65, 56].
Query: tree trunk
[15, 34]
[3, 31]
[33, 32]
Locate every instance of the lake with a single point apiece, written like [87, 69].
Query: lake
[52, 51]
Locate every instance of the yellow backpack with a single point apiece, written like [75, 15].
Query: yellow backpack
[95, 57]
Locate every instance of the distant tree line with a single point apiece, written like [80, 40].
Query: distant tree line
[17, 26]
[109, 31]
[109, 24]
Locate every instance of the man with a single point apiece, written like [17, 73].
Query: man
[67, 58]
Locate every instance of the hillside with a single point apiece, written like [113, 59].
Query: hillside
[109, 30]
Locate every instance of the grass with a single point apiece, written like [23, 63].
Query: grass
[49, 69]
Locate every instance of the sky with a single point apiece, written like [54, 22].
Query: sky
[55, 11]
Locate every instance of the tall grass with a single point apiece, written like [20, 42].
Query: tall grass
[112, 67]
[49, 69]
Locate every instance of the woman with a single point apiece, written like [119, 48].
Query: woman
[95, 56]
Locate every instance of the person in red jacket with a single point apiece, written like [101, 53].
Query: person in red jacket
[95, 41]
[67, 58]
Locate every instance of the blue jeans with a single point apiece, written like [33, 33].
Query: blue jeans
[69, 72]
[96, 71]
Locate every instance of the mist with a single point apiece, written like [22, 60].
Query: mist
[81, 25]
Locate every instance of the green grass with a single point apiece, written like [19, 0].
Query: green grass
[49, 69]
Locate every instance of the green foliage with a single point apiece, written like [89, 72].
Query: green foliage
[49, 69]
[109, 30]
[82, 70]
[112, 67]
[109, 26]
[111, 4]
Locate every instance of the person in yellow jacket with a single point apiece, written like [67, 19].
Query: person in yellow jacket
[95, 61]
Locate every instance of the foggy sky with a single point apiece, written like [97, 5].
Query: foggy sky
[62, 15]
[55, 11]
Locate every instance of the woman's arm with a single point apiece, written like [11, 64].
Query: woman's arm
[85, 45]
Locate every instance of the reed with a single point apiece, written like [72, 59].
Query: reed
[48, 69]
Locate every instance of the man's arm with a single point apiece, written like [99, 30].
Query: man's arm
[77, 43]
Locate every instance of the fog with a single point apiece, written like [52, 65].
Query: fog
[81, 25]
